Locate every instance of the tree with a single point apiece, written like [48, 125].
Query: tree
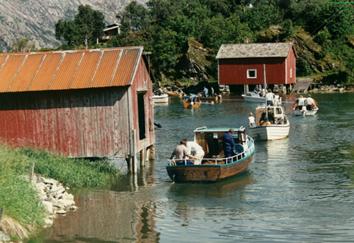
[86, 28]
[23, 45]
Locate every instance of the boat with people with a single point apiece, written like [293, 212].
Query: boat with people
[259, 97]
[220, 161]
[305, 106]
[269, 123]
[191, 102]
[211, 99]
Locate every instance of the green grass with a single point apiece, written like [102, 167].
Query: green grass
[77, 173]
[18, 197]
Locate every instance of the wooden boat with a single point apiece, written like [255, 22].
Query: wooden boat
[163, 98]
[177, 93]
[191, 102]
[211, 99]
[214, 167]
[271, 123]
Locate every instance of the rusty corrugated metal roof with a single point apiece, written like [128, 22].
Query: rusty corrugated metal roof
[253, 50]
[64, 70]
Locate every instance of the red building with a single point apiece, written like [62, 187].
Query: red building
[252, 64]
[84, 103]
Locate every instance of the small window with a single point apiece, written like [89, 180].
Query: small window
[291, 72]
[251, 73]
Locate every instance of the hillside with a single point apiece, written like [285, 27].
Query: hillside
[35, 20]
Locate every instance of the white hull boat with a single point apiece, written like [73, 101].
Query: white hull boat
[160, 98]
[305, 112]
[253, 97]
[270, 124]
[270, 132]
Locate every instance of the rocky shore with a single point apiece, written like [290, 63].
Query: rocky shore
[56, 201]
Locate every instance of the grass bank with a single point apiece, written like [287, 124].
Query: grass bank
[19, 199]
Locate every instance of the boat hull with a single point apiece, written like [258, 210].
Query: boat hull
[160, 98]
[189, 105]
[207, 172]
[271, 132]
[305, 112]
[211, 99]
[254, 99]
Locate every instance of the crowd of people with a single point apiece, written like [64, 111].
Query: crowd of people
[191, 153]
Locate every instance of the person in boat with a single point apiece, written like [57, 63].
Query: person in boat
[195, 150]
[251, 120]
[229, 144]
[265, 120]
[310, 103]
[181, 154]
[270, 97]
[262, 93]
[205, 91]
[212, 92]
[300, 103]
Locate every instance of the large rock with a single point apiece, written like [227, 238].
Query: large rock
[35, 20]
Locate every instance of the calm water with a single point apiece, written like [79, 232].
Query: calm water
[297, 190]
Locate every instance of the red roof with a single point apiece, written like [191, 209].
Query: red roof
[64, 70]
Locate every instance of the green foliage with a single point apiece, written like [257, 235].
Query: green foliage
[17, 195]
[262, 15]
[71, 172]
[84, 30]
[165, 26]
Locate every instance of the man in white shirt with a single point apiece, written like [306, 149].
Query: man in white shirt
[270, 97]
[196, 151]
[310, 103]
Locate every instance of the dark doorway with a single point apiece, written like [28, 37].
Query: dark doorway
[141, 110]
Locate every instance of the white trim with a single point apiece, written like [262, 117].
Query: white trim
[255, 73]
[286, 70]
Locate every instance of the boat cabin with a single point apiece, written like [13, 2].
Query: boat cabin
[269, 114]
[211, 140]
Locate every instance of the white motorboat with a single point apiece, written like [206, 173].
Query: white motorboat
[305, 106]
[163, 98]
[271, 123]
[257, 97]
[253, 96]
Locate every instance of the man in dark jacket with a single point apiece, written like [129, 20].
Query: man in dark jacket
[229, 143]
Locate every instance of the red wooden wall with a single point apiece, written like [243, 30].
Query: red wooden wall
[81, 123]
[234, 71]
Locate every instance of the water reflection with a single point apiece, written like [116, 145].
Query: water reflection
[107, 217]
[217, 190]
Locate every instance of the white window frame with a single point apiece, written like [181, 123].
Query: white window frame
[291, 72]
[252, 70]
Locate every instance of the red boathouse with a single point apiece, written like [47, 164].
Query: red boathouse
[83, 103]
[252, 64]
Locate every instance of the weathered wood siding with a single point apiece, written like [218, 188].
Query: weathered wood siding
[291, 67]
[75, 123]
[143, 83]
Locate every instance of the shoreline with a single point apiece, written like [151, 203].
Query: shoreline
[55, 199]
